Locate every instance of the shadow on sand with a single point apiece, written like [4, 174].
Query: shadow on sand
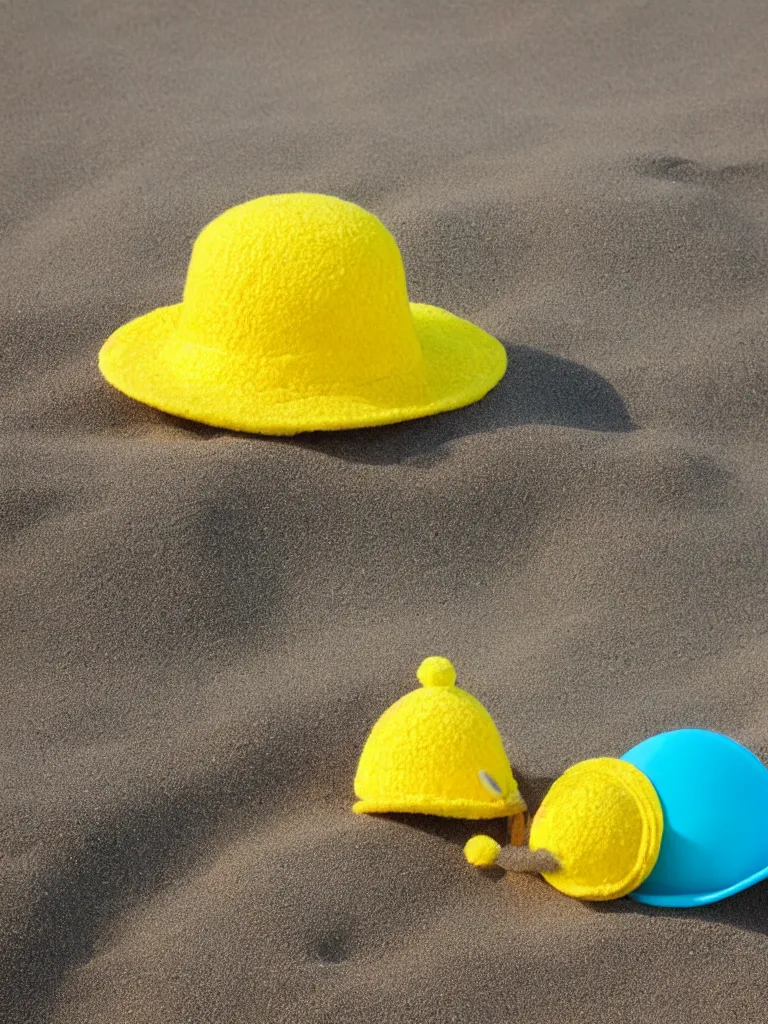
[537, 388]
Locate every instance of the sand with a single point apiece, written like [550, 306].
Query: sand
[198, 628]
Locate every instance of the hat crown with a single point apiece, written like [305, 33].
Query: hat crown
[311, 281]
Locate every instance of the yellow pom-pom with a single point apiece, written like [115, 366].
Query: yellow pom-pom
[482, 851]
[436, 672]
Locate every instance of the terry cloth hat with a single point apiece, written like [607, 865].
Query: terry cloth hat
[603, 822]
[296, 317]
[596, 835]
[436, 751]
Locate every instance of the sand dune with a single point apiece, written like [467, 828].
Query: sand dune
[198, 628]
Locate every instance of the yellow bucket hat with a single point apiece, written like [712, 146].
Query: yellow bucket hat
[596, 835]
[295, 316]
[436, 751]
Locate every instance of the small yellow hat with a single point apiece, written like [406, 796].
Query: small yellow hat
[295, 316]
[596, 835]
[603, 822]
[436, 751]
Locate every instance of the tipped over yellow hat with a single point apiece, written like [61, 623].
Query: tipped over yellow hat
[603, 822]
[295, 317]
[436, 751]
[596, 835]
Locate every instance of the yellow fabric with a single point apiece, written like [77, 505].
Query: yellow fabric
[481, 851]
[436, 672]
[426, 752]
[295, 317]
[603, 821]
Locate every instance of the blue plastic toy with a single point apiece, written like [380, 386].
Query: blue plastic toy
[714, 794]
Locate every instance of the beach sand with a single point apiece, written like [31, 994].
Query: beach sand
[198, 628]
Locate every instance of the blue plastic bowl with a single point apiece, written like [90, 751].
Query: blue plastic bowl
[714, 794]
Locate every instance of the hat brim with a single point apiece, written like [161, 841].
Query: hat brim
[462, 364]
[473, 810]
[697, 899]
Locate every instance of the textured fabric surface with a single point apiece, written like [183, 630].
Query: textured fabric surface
[603, 822]
[296, 317]
[481, 851]
[199, 628]
[427, 752]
